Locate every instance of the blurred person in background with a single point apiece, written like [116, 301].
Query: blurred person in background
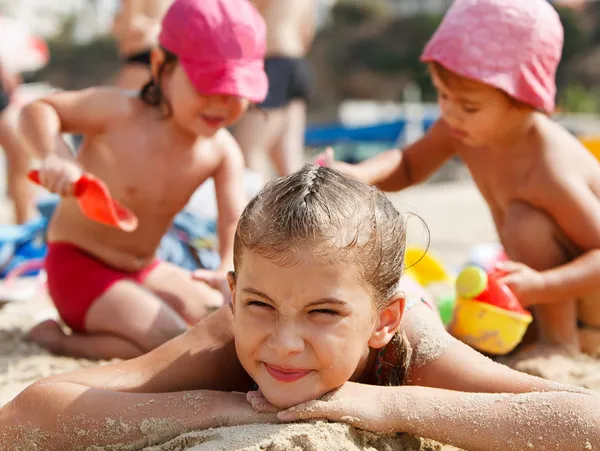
[274, 132]
[136, 29]
[20, 190]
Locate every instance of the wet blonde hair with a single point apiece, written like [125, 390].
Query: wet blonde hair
[338, 220]
[334, 218]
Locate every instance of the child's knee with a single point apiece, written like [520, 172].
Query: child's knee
[530, 236]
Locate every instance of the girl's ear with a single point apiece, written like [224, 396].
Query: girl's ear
[157, 58]
[388, 322]
[231, 282]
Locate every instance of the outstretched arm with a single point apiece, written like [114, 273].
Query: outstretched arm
[397, 169]
[231, 196]
[458, 396]
[71, 416]
[473, 421]
[155, 385]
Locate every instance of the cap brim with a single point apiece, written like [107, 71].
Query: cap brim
[245, 79]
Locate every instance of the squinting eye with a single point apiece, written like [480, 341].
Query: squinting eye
[470, 110]
[258, 304]
[325, 312]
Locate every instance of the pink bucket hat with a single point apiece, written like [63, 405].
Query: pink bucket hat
[513, 45]
[220, 45]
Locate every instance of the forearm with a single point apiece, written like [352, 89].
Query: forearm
[578, 278]
[226, 236]
[481, 421]
[385, 171]
[40, 127]
[104, 418]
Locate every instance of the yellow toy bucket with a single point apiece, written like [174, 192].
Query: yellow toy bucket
[488, 328]
[424, 268]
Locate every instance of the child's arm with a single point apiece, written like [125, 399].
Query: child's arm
[71, 416]
[397, 169]
[44, 121]
[462, 398]
[576, 211]
[474, 421]
[231, 196]
[203, 358]
[89, 111]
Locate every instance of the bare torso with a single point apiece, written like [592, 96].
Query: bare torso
[290, 26]
[530, 168]
[137, 23]
[150, 171]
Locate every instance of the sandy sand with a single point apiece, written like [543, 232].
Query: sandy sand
[296, 437]
[457, 219]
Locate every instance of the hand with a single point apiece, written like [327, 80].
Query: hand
[526, 283]
[59, 175]
[327, 159]
[216, 280]
[232, 409]
[362, 406]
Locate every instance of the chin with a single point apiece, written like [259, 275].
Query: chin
[208, 132]
[284, 396]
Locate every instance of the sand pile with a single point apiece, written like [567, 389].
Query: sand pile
[318, 436]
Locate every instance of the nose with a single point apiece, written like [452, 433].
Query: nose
[449, 112]
[285, 339]
[224, 100]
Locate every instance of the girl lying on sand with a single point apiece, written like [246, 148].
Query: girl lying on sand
[317, 314]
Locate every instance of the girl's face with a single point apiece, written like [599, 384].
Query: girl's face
[477, 114]
[304, 330]
[200, 115]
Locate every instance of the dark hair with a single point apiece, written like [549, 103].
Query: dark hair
[151, 93]
[450, 78]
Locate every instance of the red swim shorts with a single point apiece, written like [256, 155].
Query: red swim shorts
[76, 279]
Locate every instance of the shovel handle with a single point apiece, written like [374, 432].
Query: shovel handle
[79, 188]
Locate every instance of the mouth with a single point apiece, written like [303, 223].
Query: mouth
[213, 121]
[459, 133]
[287, 375]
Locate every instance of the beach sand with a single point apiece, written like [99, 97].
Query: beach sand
[457, 219]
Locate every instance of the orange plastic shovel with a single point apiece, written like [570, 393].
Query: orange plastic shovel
[97, 204]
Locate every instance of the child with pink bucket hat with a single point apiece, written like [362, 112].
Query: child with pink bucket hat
[493, 63]
[152, 149]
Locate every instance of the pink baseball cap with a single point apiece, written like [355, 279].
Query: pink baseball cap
[513, 45]
[220, 44]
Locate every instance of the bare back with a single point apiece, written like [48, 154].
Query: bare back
[147, 170]
[290, 26]
[549, 159]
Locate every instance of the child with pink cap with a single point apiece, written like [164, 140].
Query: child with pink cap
[152, 149]
[493, 63]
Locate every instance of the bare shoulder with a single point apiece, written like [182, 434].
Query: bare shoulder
[227, 147]
[114, 99]
[441, 361]
[225, 141]
[564, 148]
[92, 108]
[565, 162]
[202, 358]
